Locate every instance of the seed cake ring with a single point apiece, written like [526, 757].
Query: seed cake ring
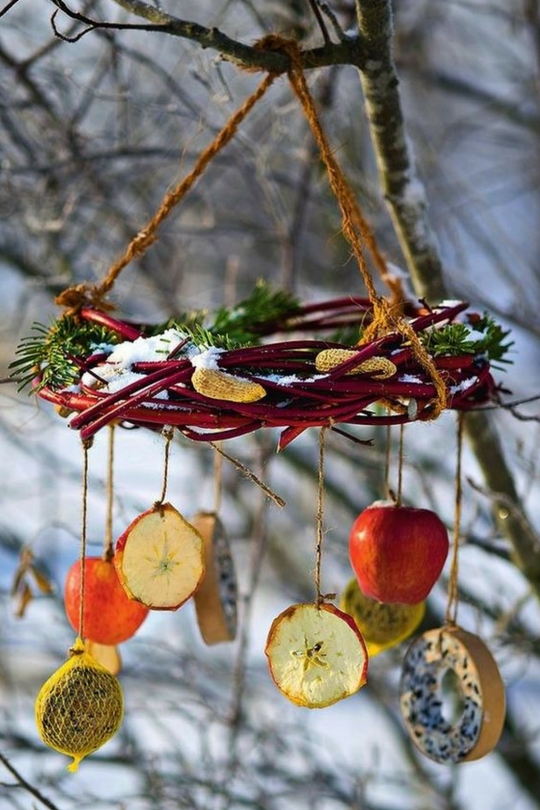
[479, 727]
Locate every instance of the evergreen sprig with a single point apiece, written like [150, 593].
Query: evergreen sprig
[50, 351]
[206, 338]
[242, 325]
[261, 312]
[455, 339]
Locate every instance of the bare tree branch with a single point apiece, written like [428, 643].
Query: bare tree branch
[401, 186]
[7, 7]
[245, 56]
[26, 785]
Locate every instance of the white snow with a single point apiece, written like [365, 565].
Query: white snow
[464, 385]
[291, 379]
[125, 378]
[145, 349]
[379, 504]
[410, 378]
[475, 335]
[117, 372]
[414, 193]
[207, 358]
[449, 302]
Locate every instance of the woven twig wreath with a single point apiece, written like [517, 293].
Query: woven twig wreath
[137, 377]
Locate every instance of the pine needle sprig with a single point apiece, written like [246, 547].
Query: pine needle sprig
[206, 338]
[49, 353]
[482, 336]
[262, 312]
[184, 322]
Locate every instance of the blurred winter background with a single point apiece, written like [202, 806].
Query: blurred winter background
[92, 133]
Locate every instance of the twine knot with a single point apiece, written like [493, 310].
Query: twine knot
[83, 295]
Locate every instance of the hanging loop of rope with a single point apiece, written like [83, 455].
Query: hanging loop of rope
[387, 313]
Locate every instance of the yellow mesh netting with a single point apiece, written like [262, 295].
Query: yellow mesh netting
[79, 707]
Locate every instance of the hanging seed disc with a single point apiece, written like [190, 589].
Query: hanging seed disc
[479, 694]
[80, 707]
[106, 654]
[216, 599]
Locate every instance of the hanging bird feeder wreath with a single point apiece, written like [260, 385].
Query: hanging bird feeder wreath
[221, 378]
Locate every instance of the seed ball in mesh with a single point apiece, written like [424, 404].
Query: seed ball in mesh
[80, 707]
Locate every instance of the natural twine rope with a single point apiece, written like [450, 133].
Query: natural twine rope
[453, 592]
[358, 232]
[320, 597]
[84, 532]
[94, 294]
[108, 545]
[168, 434]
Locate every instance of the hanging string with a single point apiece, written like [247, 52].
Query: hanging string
[84, 520]
[352, 216]
[218, 478]
[83, 294]
[319, 597]
[453, 593]
[168, 433]
[108, 550]
[400, 465]
[387, 454]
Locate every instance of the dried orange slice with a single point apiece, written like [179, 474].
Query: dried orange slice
[316, 655]
[216, 599]
[80, 707]
[160, 558]
[106, 654]
[383, 625]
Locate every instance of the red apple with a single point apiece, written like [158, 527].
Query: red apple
[397, 552]
[110, 616]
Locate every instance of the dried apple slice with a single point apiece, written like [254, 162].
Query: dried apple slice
[316, 655]
[160, 558]
[107, 655]
[216, 599]
[382, 624]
